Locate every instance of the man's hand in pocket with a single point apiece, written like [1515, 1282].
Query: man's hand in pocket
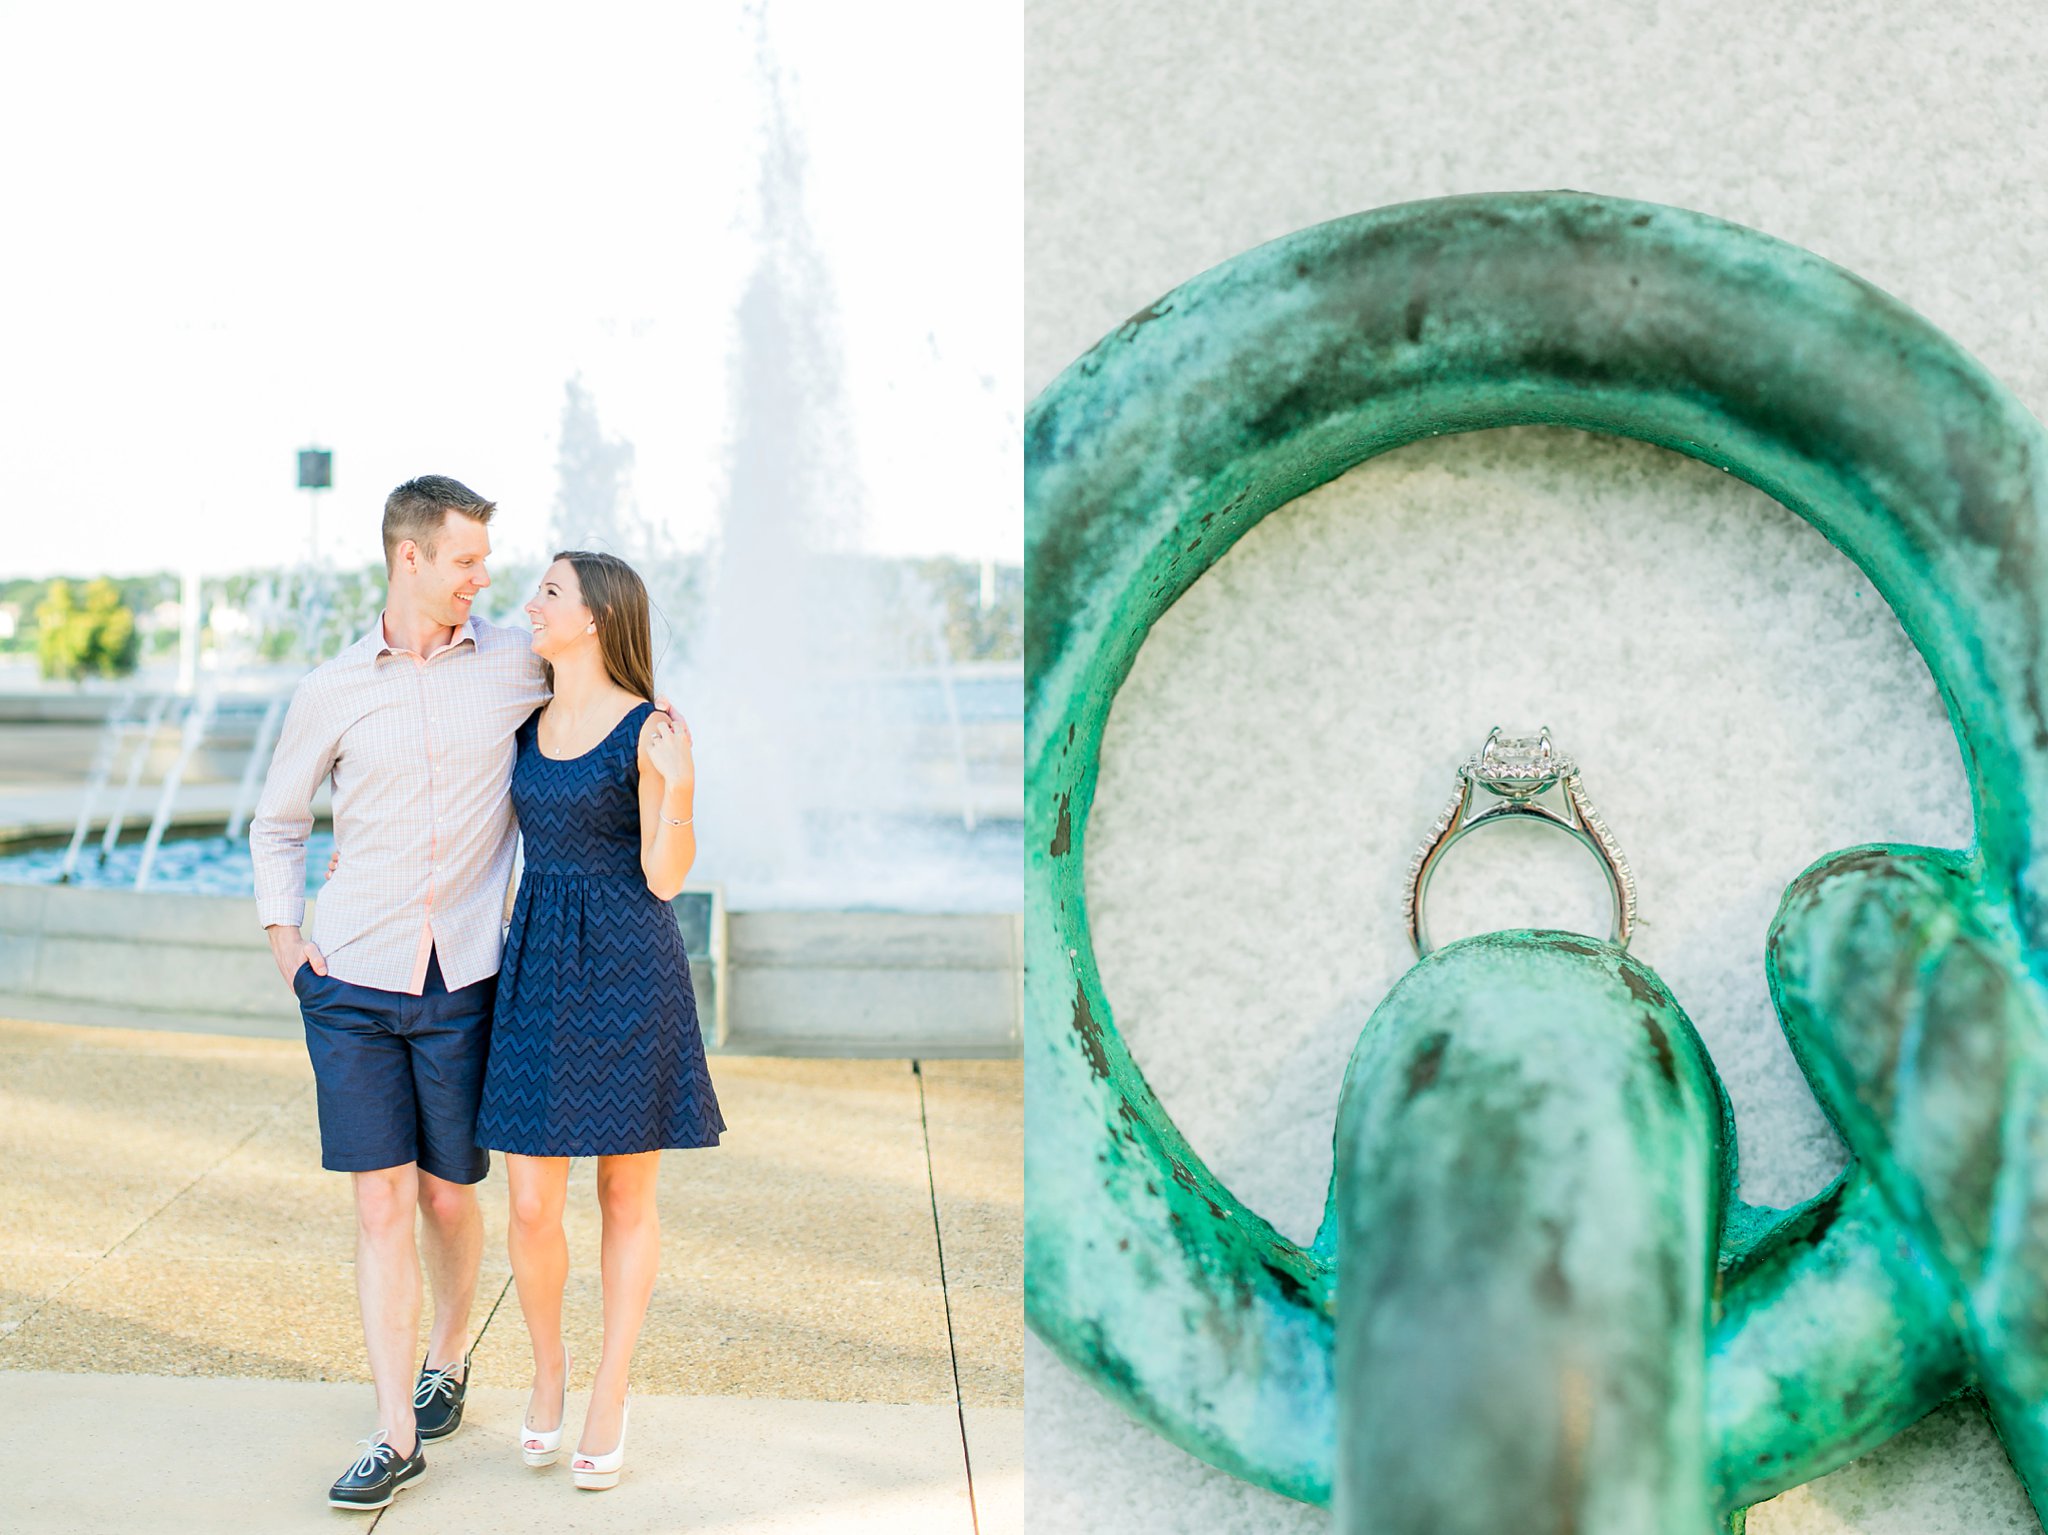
[291, 951]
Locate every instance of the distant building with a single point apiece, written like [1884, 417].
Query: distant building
[10, 620]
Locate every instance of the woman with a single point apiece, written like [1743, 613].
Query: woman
[595, 1049]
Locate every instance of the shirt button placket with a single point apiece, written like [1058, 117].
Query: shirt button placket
[433, 790]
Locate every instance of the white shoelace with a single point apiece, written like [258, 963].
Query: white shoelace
[432, 1381]
[374, 1451]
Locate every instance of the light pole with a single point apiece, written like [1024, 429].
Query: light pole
[316, 473]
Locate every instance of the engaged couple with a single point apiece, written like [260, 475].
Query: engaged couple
[439, 1034]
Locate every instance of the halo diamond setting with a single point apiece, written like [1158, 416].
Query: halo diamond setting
[1519, 770]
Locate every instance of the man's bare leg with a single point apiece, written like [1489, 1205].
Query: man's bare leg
[388, 1291]
[454, 1242]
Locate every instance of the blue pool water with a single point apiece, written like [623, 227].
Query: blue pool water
[904, 864]
[192, 865]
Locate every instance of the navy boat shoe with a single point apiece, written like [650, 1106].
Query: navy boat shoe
[374, 1480]
[437, 1400]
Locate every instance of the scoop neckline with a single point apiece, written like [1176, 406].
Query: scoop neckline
[643, 704]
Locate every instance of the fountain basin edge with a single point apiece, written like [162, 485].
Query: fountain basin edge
[805, 983]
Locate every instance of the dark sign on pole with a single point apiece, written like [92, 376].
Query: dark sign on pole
[316, 469]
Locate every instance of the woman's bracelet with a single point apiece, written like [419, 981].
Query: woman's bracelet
[678, 823]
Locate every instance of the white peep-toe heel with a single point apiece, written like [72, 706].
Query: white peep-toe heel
[595, 1473]
[544, 1449]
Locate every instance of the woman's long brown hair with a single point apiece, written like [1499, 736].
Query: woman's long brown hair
[617, 599]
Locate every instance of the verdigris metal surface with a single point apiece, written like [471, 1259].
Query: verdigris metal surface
[1528, 1179]
[1837, 1323]
[1915, 1014]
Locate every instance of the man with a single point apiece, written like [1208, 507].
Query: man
[414, 724]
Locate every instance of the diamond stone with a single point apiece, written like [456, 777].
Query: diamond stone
[1518, 766]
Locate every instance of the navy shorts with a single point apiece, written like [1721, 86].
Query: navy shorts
[399, 1077]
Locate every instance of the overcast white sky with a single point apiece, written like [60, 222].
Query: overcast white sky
[397, 230]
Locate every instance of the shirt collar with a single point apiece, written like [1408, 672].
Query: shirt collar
[380, 646]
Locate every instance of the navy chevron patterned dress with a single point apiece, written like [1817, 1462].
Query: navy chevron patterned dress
[595, 1049]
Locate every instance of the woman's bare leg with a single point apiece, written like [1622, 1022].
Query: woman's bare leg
[540, 1265]
[631, 1258]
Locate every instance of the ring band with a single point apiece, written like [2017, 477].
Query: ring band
[1518, 769]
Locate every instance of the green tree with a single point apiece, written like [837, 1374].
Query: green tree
[86, 634]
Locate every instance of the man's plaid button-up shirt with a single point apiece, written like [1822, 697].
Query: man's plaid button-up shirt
[420, 752]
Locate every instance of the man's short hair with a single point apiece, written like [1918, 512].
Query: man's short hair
[418, 509]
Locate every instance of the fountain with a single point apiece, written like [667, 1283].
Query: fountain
[199, 714]
[870, 882]
[113, 737]
[252, 772]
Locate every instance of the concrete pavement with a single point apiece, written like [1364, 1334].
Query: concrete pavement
[177, 1292]
[176, 1456]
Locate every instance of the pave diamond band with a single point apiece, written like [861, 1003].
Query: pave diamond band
[1519, 770]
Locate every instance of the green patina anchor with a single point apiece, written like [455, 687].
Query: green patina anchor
[1535, 1301]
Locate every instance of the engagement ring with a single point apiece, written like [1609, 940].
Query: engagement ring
[1518, 769]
